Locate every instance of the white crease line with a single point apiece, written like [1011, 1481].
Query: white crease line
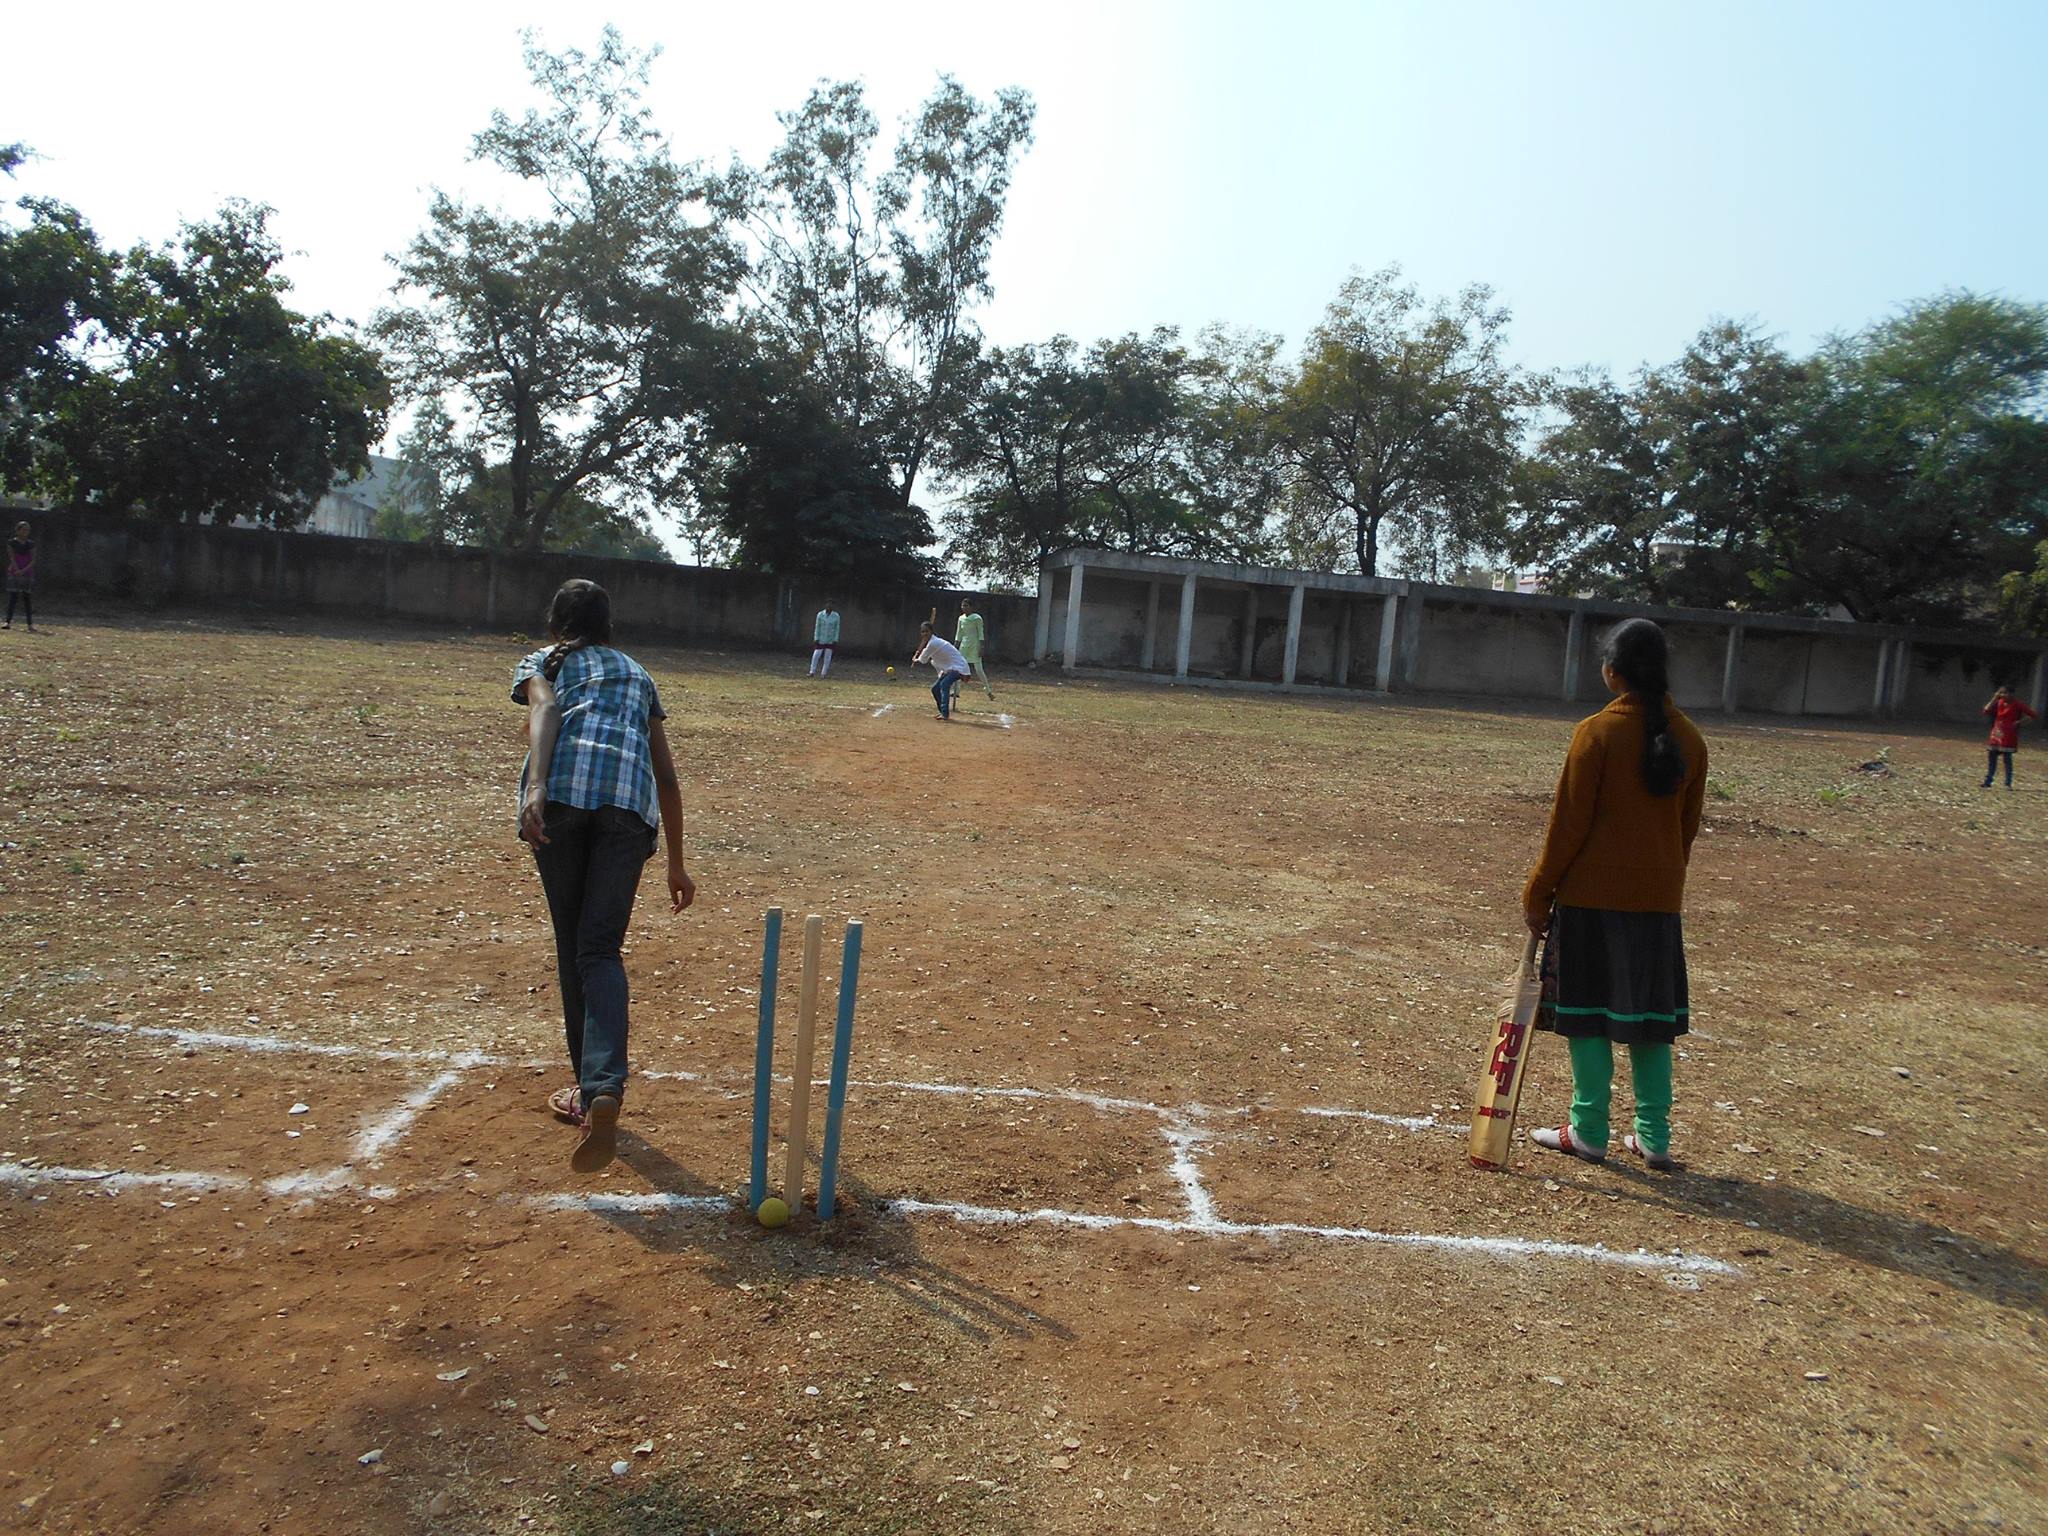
[1072, 1095]
[1188, 1143]
[882, 711]
[654, 1202]
[116, 1179]
[278, 1043]
[1487, 1247]
[1405, 1122]
[465, 1059]
[371, 1141]
[1006, 721]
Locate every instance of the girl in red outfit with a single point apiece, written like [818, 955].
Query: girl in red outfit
[2006, 713]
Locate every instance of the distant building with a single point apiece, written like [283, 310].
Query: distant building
[350, 508]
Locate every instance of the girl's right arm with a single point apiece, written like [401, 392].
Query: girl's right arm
[668, 788]
[543, 725]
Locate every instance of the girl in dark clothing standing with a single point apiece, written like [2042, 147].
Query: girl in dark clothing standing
[21, 577]
[1607, 891]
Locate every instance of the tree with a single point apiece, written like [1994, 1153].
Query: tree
[2023, 596]
[794, 489]
[1663, 491]
[54, 282]
[871, 277]
[1402, 417]
[1136, 445]
[1593, 501]
[214, 399]
[570, 345]
[1923, 463]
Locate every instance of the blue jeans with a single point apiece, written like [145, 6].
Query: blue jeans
[1991, 767]
[944, 689]
[590, 869]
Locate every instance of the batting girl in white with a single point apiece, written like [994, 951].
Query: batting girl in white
[598, 766]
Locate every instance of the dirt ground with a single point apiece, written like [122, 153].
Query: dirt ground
[280, 1190]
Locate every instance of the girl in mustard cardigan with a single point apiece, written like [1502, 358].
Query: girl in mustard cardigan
[1606, 895]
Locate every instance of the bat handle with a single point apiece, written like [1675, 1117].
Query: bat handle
[1529, 955]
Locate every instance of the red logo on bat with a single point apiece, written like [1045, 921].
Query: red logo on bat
[1507, 1055]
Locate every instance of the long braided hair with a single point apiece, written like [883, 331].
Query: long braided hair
[1637, 650]
[579, 615]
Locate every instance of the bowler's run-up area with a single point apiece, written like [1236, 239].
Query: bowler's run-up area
[1153, 1204]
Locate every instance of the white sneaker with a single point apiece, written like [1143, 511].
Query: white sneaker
[1663, 1162]
[1559, 1139]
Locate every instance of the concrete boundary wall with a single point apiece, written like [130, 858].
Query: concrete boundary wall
[1105, 613]
[163, 563]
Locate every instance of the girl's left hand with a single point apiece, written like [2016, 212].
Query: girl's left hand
[533, 812]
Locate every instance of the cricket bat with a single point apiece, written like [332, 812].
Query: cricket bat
[1500, 1083]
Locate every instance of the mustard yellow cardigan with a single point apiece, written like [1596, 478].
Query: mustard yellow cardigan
[1611, 843]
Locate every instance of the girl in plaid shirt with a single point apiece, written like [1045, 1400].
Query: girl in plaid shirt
[598, 775]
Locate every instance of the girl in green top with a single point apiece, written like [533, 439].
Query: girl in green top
[967, 636]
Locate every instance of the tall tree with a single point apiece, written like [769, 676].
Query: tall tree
[1924, 463]
[1664, 490]
[1593, 500]
[55, 282]
[871, 275]
[1136, 444]
[1403, 416]
[573, 345]
[213, 398]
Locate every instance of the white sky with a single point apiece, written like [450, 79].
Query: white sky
[1618, 172]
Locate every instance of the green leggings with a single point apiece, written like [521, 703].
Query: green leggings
[1593, 1086]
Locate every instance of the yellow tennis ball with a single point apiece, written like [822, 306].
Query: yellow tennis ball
[772, 1212]
[890, 670]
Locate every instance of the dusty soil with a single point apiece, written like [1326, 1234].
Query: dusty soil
[1185, 920]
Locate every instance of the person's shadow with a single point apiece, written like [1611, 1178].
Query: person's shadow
[1906, 1245]
[862, 1240]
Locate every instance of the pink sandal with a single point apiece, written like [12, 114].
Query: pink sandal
[566, 1104]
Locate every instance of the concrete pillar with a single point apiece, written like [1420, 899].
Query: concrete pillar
[1574, 653]
[1184, 642]
[1251, 631]
[1070, 656]
[490, 589]
[1042, 642]
[1902, 673]
[1151, 626]
[390, 581]
[1731, 671]
[2039, 686]
[1291, 655]
[1409, 652]
[1342, 675]
[1383, 670]
[1881, 689]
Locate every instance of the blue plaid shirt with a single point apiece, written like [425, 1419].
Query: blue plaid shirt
[602, 756]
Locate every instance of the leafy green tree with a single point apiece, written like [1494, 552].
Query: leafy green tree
[1593, 499]
[54, 282]
[1663, 491]
[572, 345]
[871, 276]
[213, 399]
[1137, 444]
[794, 489]
[2023, 596]
[1402, 418]
[1923, 463]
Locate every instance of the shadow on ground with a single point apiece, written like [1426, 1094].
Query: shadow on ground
[864, 1238]
[1906, 1245]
